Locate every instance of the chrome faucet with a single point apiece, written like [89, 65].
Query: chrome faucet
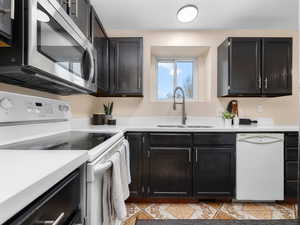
[180, 103]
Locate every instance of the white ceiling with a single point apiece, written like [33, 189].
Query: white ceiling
[213, 14]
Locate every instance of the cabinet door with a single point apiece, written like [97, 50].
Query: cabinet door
[214, 172]
[80, 11]
[169, 172]
[277, 66]
[245, 58]
[136, 162]
[101, 43]
[126, 66]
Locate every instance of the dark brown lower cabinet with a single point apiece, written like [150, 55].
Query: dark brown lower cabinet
[169, 172]
[136, 163]
[214, 172]
[194, 165]
[291, 166]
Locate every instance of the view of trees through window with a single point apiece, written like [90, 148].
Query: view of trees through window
[173, 73]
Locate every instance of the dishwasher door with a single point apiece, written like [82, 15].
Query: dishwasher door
[260, 167]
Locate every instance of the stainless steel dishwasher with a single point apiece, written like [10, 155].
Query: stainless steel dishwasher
[260, 167]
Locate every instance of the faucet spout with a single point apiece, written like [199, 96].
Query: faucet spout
[184, 117]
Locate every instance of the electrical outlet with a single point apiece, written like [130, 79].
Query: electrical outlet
[259, 108]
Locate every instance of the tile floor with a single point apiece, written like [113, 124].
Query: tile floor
[210, 210]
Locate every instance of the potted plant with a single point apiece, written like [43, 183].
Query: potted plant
[108, 109]
[227, 116]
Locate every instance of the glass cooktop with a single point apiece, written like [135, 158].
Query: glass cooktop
[72, 140]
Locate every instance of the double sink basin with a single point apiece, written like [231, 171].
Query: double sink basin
[186, 126]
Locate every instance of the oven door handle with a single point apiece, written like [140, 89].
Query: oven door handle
[52, 222]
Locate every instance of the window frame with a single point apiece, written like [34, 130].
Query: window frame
[174, 60]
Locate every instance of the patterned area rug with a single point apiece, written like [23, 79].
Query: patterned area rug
[210, 210]
[217, 222]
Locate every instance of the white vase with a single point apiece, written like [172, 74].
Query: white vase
[236, 121]
[227, 122]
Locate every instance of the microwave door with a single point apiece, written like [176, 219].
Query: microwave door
[56, 48]
[6, 17]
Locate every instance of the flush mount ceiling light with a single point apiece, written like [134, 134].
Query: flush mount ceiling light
[187, 13]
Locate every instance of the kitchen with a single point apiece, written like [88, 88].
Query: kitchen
[186, 161]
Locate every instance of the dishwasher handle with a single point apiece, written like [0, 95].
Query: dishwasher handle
[261, 140]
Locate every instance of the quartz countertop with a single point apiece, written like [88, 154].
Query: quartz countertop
[26, 175]
[150, 124]
[155, 128]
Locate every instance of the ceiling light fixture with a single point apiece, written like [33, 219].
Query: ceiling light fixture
[187, 13]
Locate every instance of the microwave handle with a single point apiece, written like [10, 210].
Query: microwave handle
[92, 71]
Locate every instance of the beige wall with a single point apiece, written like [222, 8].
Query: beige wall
[284, 110]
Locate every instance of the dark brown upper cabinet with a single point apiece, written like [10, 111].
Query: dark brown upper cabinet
[126, 67]
[255, 67]
[277, 66]
[101, 45]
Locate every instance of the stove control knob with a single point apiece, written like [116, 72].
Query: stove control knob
[6, 104]
[63, 108]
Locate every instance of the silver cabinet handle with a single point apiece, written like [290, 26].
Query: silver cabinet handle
[196, 155]
[190, 154]
[52, 222]
[259, 82]
[266, 83]
[139, 86]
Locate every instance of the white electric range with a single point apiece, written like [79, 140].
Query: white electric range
[34, 123]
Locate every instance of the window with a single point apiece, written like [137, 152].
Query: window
[173, 73]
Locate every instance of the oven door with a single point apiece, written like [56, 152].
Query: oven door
[57, 47]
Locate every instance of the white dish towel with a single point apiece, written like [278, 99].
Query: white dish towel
[127, 152]
[118, 191]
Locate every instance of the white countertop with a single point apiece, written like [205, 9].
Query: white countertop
[155, 128]
[150, 124]
[26, 175]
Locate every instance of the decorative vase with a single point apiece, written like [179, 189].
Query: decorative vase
[107, 117]
[227, 122]
[236, 121]
[98, 119]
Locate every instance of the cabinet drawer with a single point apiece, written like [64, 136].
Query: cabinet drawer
[170, 139]
[291, 170]
[291, 139]
[291, 189]
[214, 139]
[291, 154]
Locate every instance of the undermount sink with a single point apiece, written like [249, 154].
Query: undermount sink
[185, 126]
